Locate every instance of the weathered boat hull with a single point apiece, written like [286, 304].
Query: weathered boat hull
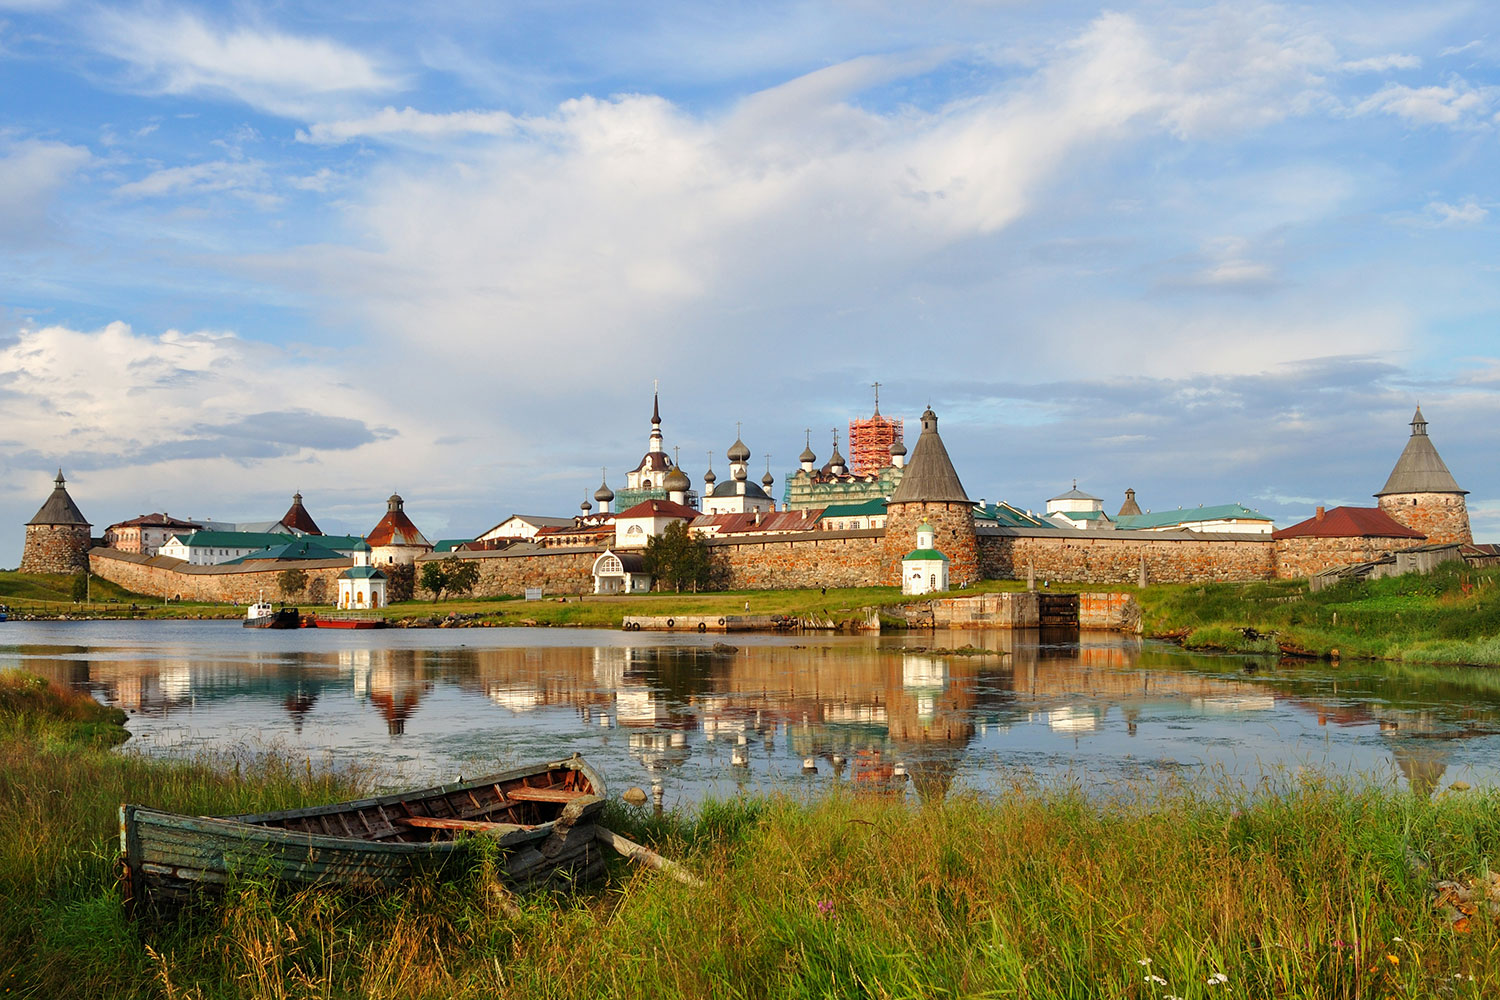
[541, 818]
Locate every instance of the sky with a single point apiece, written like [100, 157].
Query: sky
[1213, 252]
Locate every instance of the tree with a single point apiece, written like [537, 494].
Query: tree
[80, 588]
[317, 590]
[434, 578]
[677, 558]
[291, 582]
[462, 574]
[400, 581]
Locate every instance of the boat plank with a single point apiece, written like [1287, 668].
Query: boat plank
[529, 794]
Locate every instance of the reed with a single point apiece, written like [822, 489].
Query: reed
[1315, 888]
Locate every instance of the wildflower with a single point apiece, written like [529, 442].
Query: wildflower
[1217, 979]
[1393, 959]
[1143, 961]
[1396, 939]
[1158, 980]
[825, 907]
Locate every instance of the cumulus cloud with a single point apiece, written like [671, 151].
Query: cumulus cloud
[111, 398]
[632, 219]
[284, 74]
[32, 171]
[1456, 104]
[1467, 214]
[1381, 64]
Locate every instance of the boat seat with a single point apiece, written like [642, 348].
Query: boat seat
[524, 794]
[477, 826]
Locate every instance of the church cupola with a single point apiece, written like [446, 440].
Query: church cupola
[603, 495]
[807, 458]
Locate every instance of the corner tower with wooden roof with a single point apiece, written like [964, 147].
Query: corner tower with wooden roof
[395, 540]
[1422, 494]
[930, 491]
[59, 536]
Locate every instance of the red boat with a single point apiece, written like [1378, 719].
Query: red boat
[343, 620]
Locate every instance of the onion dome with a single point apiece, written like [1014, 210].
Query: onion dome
[676, 481]
[604, 494]
[709, 477]
[739, 452]
[768, 480]
[738, 472]
[897, 448]
[807, 455]
[586, 507]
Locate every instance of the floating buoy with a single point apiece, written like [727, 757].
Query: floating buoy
[809, 766]
[838, 760]
[740, 757]
[899, 772]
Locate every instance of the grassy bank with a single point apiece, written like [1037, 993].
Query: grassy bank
[1310, 893]
[1449, 616]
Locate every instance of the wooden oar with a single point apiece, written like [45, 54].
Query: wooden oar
[645, 856]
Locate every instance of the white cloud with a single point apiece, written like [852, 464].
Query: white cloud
[1381, 64]
[283, 74]
[629, 219]
[32, 171]
[1455, 104]
[389, 122]
[246, 178]
[1466, 214]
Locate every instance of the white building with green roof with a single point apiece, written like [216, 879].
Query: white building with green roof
[924, 570]
[361, 586]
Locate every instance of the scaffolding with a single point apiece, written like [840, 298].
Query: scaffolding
[870, 441]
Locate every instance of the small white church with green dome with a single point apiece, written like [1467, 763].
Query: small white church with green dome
[924, 570]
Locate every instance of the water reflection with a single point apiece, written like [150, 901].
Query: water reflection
[681, 715]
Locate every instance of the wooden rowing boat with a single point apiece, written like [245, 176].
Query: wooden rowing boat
[542, 818]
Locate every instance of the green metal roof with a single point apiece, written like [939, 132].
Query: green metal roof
[867, 508]
[1007, 516]
[301, 548]
[924, 555]
[234, 539]
[361, 573]
[449, 544]
[344, 543]
[1188, 515]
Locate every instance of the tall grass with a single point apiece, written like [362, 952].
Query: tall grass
[1319, 890]
[1449, 616]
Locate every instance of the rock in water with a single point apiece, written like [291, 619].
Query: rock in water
[635, 795]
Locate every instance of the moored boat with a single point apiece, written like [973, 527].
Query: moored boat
[263, 614]
[542, 818]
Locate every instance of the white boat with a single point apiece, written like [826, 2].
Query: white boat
[263, 614]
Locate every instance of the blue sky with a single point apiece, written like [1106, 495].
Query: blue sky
[1213, 252]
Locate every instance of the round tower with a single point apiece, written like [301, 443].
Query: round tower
[930, 491]
[58, 538]
[1422, 494]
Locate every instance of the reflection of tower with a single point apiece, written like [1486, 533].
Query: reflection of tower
[396, 691]
[1422, 763]
[298, 704]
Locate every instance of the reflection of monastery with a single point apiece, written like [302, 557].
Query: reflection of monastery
[847, 522]
[838, 705]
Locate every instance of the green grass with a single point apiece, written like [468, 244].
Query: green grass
[58, 588]
[1449, 616]
[1308, 892]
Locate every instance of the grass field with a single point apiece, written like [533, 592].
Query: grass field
[1317, 891]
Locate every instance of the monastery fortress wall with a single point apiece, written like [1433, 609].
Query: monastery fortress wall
[165, 577]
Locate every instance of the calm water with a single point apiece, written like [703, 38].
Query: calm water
[1098, 708]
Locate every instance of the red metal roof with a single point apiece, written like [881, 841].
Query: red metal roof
[298, 519]
[1349, 522]
[156, 521]
[395, 529]
[659, 508]
[739, 524]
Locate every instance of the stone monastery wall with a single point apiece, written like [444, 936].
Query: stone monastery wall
[163, 576]
[56, 548]
[1297, 557]
[1442, 517]
[1108, 557]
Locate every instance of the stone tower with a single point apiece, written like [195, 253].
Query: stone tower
[58, 538]
[930, 491]
[1422, 494]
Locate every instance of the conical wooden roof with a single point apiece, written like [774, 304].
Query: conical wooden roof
[1420, 469]
[930, 475]
[60, 508]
